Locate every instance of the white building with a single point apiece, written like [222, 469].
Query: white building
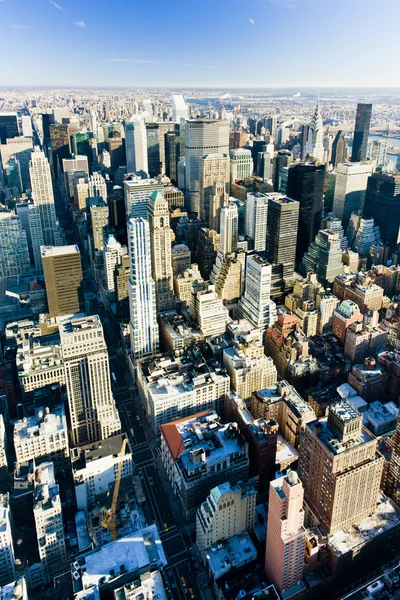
[256, 304]
[112, 256]
[39, 361]
[14, 251]
[179, 108]
[149, 585]
[160, 240]
[42, 194]
[87, 372]
[144, 334]
[136, 145]
[228, 511]
[256, 219]
[26, 122]
[209, 311]
[137, 192]
[7, 565]
[169, 391]
[229, 228]
[96, 469]
[43, 436]
[49, 523]
[242, 165]
[202, 136]
[315, 142]
[350, 188]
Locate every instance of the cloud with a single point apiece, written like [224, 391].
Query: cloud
[251, 21]
[130, 60]
[57, 6]
[80, 23]
[17, 26]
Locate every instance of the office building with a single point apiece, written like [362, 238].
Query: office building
[343, 316]
[42, 194]
[100, 221]
[339, 149]
[208, 310]
[112, 256]
[314, 146]
[256, 304]
[179, 108]
[63, 279]
[359, 288]
[382, 202]
[144, 335]
[160, 241]
[184, 281]
[214, 187]
[49, 523]
[7, 564]
[286, 535]
[229, 510]
[392, 487]
[208, 244]
[256, 220]
[282, 227]
[180, 258]
[14, 251]
[121, 286]
[20, 149]
[4, 474]
[95, 467]
[200, 453]
[364, 340]
[241, 164]
[229, 225]
[340, 469]
[306, 185]
[60, 144]
[137, 192]
[202, 137]
[136, 145]
[39, 361]
[350, 187]
[153, 149]
[361, 132]
[92, 410]
[324, 257]
[8, 126]
[362, 233]
[43, 437]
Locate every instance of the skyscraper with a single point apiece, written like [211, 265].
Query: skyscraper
[256, 219]
[282, 227]
[153, 149]
[136, 145]
[42, 194]
[339, 149]
[137, 192]
[382, 202]
[393, 475]
[315, 140]
[286, 536]
[361, 132]
[14, 251]
[229, 228]
[60, 144]
[160, 240]
[306, 184]
[242, 165]
[324, 257]
[142, 293]
[7, 564]
[63, 279]
[214, 187]
[283, 159]
[8, 126]
[179, 108]
[92, 410]
[202, 136]
[19, 148]
[256, 304]
[350, 187]
[340, 469]
[112, 254]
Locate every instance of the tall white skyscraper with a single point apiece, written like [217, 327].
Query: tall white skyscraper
[202, 136]
[136, 145]
[142, 292]
[112, 253]
[7, 565]
[229, 228]
[179, 108]
[42, 194]
[160, 239]
[256, 304]
[87, 373]
[256, 219]
[137, 192]
[242, 165]
[49, 523]
[350, 188]
[315, 141]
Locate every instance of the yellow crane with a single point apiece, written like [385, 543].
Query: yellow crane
[109, 513]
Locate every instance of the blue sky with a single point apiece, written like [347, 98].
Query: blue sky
[219, 43]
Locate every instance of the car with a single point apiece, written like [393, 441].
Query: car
[183, 581]
[166, 527]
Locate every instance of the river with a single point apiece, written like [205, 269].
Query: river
[391, 142]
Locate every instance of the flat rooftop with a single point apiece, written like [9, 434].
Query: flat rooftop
[330, 439]
[97, 450]
[42, 423]
[58, 250]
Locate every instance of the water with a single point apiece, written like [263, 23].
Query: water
[391, 142]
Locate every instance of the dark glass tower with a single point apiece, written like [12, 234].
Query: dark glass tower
[382, 202]
[8, 126]
[339, 149]
[306, 185]
[153, 149]
[361, 131]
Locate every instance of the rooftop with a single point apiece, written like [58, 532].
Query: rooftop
[58, 250]
[284, 391]
[97, 450]
[42, 423]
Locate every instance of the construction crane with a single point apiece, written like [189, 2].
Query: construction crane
[108, 520]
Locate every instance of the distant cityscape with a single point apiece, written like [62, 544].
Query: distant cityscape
[200, 343]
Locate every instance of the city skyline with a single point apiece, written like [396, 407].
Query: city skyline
[302, 38]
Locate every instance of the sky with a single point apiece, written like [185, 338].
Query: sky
[200, 43]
